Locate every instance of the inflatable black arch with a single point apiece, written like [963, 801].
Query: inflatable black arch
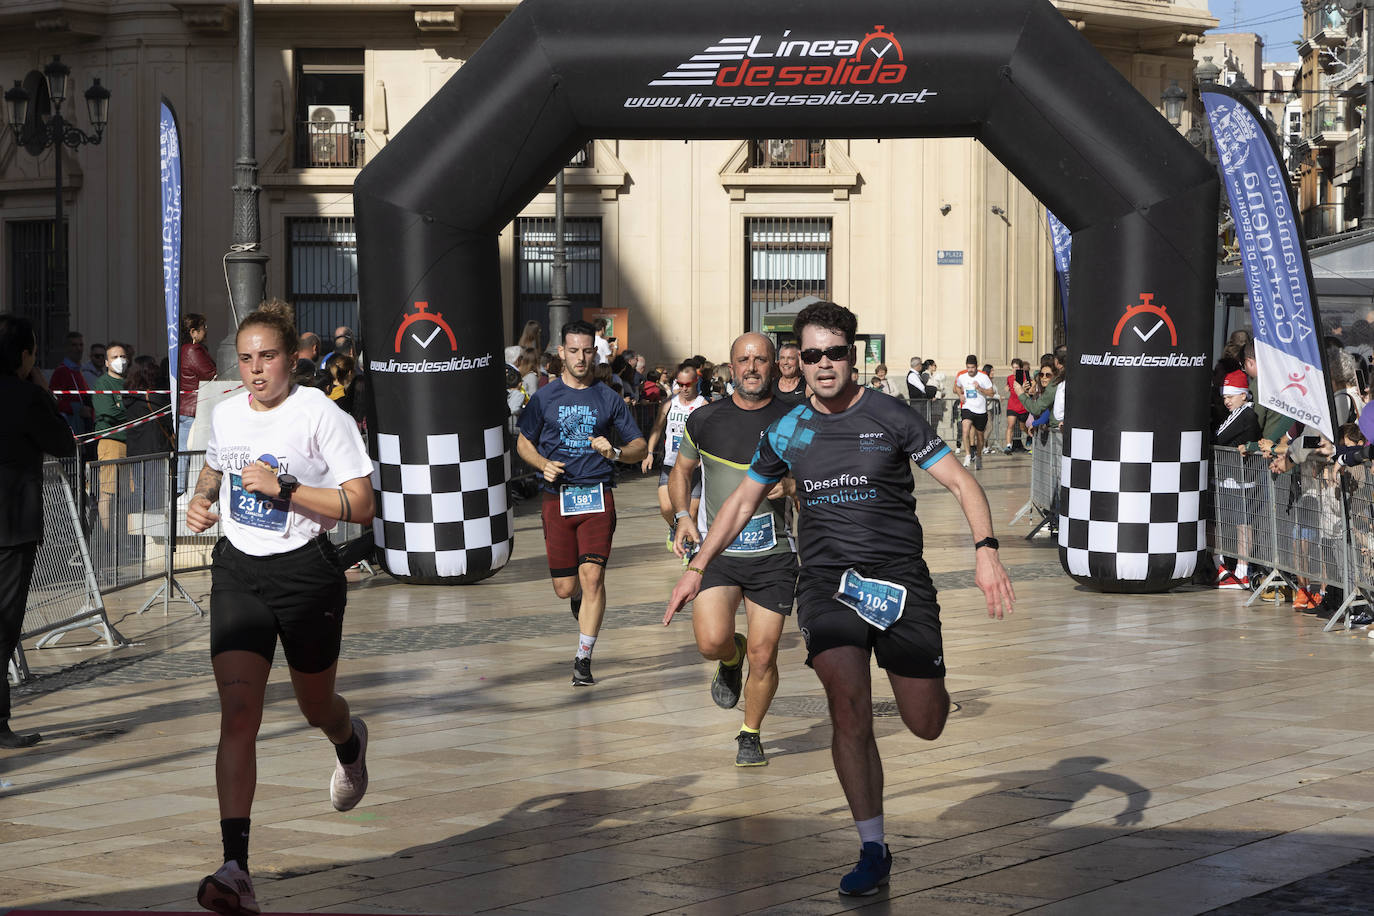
[1012, 73]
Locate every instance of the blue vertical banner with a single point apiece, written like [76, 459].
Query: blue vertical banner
[169, 159]
[1062, 239]
[1278, 276]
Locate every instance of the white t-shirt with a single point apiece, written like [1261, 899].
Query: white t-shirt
[970, 385]
[603, 350]
[676, 425]
[307, 436]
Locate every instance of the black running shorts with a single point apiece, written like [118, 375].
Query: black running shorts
[769, 581]
[299, 595]
[980, 420]
[911, 647]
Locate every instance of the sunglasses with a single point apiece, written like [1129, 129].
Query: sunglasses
[834, 354]
[1047, 375]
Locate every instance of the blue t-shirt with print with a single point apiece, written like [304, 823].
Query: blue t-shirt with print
[853, 473]
[561, 421]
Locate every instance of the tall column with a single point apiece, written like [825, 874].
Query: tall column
[246, 264]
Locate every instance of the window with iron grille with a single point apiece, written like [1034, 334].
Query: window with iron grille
[534, 244]
[329, 108]
[787, 258]
[323, 282]
[792, 153]
[33, 293]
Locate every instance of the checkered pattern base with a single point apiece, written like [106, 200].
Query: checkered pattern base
[444, 514]
[1130, 507]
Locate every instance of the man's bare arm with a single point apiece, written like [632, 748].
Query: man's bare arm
[207, 484]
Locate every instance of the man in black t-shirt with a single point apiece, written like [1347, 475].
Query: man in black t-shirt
[760, 566]
[863, 587]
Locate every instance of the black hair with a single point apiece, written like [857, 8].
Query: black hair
[830, 316]
[575, 327]
[16, 337]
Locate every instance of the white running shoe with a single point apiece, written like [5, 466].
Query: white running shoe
[349, 783]
[228, 891]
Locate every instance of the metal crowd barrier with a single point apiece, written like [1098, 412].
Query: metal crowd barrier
[1047, 464]
[63, 592]
[1315, 521]
[129, 520]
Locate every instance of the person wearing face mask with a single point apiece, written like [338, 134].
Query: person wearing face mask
[110, 412]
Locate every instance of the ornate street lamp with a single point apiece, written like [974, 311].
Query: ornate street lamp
[37, 124]
[1173, 99]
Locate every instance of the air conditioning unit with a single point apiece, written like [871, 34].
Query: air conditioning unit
[330, 135]
[328, 114]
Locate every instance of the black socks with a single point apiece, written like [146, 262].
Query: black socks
[234, 832]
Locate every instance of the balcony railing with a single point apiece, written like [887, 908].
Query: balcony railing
[330, 144]
[787, 154]
[1321, 221]
[582, 159]
[1326, 121]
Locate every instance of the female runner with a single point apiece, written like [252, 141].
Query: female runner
[287, 463]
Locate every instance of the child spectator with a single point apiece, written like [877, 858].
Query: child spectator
[1237, 430]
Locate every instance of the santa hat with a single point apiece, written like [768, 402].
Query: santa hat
[1236, 382]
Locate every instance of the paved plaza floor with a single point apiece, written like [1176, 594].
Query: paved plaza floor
[1109, 754]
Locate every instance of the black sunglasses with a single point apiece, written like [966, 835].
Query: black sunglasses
[834, 354]
[1047, 375]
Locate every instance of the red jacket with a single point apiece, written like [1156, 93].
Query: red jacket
[66, 378]
[194, 365]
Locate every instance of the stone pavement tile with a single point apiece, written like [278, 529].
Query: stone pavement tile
[957, 900]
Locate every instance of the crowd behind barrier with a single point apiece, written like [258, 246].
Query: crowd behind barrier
[1315, 522]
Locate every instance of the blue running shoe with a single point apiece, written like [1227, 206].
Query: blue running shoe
[875, 863]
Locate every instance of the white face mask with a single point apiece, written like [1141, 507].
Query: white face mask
[119, 364]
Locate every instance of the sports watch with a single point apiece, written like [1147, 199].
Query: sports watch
[288, 485]
[986, 542]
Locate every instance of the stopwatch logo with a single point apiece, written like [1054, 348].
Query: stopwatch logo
[1146, 307]
[422, 314]
[878, 44]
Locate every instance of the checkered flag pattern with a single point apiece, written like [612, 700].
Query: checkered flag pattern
[1131, 505]
[444, 512]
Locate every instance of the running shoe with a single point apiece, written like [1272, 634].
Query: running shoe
[1362, 619]
[729, 680]
[875, 864]
[349, 783]
[750, 750]
[228, 891]
[1006, 450]
[1302, 600]
[582, 672]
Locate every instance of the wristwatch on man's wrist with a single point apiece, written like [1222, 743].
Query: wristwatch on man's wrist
[288, 485]
[615, 454]
[680, 514]
[986, 542]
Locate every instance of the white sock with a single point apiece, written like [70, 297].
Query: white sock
[585, 644]
[871, 830]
